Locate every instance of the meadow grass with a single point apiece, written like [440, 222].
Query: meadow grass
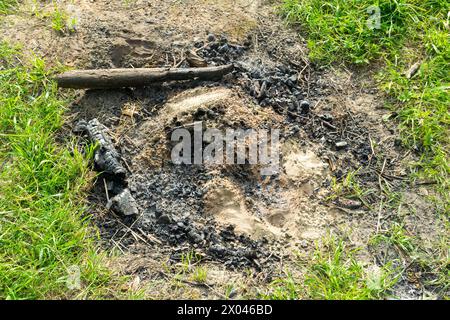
[43, 234]
[334, 273]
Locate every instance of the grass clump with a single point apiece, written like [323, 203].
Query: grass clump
[360, 31]
[200, 274]
[286, 288]
[406, 32]
[43, 237]
[7, 5]
[427, 262]
[395, 236]
[61, 21]
[334, 273]
[349, 187]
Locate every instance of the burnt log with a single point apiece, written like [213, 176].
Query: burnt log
[106, 157]
[119, 78]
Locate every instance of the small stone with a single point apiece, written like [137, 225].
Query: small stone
[164, 219]
[303, 244]
[250, 254]
[211, 37]
[327, 117]
[341, 144]
[180, 224]
[350, 203]
[224, 48]
[178, 43]
[232, 293]
[217, 250]
[305, 106]
[295, 129]
[195, 237]
[211, 113]
[123, 204]
[423, 192]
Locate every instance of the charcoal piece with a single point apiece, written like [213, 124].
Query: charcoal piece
[164, 219]
[123, 204]
[211, 37]
[106, 157]
[304, 107]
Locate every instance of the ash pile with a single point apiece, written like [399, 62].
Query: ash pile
[164, 206]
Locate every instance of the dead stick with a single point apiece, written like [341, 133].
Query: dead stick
[119, 78]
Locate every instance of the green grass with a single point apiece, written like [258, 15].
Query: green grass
[61, 21]
[349, 187]
[286, 288]
[430, 261]
[200, 274]
[42, 230]
[189, 268]
[410, 31]
[334, 273]
[6, 6]
[188, 260]
[395, 236]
